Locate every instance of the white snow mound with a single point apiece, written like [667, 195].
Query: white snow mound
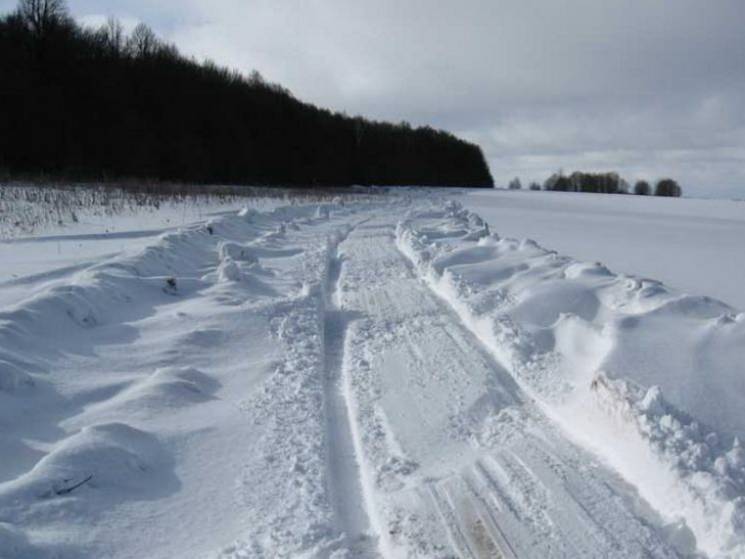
[648, 377]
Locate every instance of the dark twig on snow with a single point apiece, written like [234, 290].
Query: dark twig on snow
[72, 488]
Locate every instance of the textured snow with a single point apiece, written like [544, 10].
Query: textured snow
[692, 245]
[648, 377]
[385, 375]
[176, 393]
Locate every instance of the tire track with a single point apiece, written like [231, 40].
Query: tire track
[345, 486]
[433, 408]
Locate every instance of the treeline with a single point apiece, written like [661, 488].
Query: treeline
[603, 183]
[98, 104]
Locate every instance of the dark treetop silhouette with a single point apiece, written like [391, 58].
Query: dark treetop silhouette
[94, 104]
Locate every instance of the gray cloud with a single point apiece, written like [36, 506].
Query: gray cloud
[647, 87]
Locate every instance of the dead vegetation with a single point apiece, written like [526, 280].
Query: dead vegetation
[27, 208]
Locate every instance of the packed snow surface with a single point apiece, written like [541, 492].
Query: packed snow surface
[376, 376]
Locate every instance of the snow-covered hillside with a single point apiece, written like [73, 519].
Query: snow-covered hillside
[378, 375]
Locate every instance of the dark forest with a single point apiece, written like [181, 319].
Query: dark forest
[100, 105]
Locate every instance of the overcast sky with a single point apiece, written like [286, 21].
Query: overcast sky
[645, 87]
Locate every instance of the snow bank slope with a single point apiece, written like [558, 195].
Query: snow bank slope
[650, 378]
[170, 403]
[456, 460]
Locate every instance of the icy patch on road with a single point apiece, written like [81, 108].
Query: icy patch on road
[650, 378]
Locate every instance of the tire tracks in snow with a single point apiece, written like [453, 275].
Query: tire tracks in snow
[345, 484]
[460, 462]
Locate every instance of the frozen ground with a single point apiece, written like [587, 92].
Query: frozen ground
[374, 376]
[693, 245]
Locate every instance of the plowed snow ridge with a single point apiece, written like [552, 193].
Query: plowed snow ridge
[464, 464]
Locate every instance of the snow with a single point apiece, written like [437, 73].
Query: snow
[375, 375]
[182, 387]
[55, 251]
[693, 245]
[457, 460]
[647, 377]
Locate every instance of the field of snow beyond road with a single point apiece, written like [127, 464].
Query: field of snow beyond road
[376, 376]
[693, 245]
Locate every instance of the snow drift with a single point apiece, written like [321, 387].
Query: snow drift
[650, 378]
[176, 391]
[282, 384]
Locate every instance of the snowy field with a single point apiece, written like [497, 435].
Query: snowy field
[382, 375]
[694, 245]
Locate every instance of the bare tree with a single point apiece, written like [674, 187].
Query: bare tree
[42, 15]
[515, 184]
[143, 42]
[113, 32]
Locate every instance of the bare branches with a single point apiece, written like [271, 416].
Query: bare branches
[113, 32]
[143, 42]
[42, 15]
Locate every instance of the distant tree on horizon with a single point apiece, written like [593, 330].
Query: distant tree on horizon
[668, 188]
[642, 188]
[558, 182]
[535, 186]
[515, 184]
[578, 181]
[603, 183]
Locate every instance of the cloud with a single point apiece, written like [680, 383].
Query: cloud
[99, 20]
[630, 85]
[641, 86]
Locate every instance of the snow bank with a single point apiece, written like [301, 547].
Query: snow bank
[237, 252]
[112, 457]
[694, 245]
[184, 377]
[648, 377]
[13, 379]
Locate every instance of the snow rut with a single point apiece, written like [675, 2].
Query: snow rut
[345, 485]
[467, 517]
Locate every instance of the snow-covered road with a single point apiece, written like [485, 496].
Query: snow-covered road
[457, 460]
[372, 378]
